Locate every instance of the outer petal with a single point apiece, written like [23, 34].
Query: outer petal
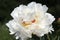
[31, 5]
[50, 18]
[38, 6]
[14, 13]
[40, 32]
[18, 30]
[11, 29]
[17, 12]
[45, 8]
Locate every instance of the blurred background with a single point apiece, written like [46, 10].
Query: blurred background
[7, 6]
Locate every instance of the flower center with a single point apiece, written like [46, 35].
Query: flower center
[25, 24]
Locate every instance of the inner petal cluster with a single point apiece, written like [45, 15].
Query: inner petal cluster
[27, 23]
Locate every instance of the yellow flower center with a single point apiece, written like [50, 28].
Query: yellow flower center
[26, 24]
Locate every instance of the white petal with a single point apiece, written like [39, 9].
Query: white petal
[11, 33]
[31, 5]
[11, 29]
[17, 37]
[45, 8]
[50, 18]
[14, 13]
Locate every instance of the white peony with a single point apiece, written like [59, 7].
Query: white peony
[30, 19]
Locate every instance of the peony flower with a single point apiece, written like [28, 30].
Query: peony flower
[30, 19]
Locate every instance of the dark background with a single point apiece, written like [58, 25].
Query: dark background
[7, 6]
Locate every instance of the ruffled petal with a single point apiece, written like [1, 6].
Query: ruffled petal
[50, 18]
